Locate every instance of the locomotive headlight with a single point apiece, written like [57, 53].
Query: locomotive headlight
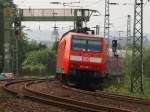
[75, 58]
[95, 60]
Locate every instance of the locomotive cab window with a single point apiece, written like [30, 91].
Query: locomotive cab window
[94, 46]
[86, 44]
[79, 44]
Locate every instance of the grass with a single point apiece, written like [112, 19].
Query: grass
[124, 89]
[2, 109]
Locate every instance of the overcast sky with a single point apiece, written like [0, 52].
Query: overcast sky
[118, 13]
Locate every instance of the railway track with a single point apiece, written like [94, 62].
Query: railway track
[127, 100]
[102, 98]
[112, 96]
[61, 102]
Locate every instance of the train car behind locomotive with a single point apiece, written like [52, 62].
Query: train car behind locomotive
[81, 58]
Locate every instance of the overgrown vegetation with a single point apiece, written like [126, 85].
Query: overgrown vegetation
[40, 61]
[2, 109]
[124, 89]
[36, 61]
[36, 58]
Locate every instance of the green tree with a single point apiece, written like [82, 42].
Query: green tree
[39, 62]
[34, 46]
[54, 47]
[36, 61]
[26, 46]
[146, 64]
[146, 61]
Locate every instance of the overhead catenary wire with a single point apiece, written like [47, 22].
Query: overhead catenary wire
[87, 2]
[119, 18]
[92, 3]
[146, 2]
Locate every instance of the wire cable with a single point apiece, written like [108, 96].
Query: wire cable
[93, 3]
[146, 2]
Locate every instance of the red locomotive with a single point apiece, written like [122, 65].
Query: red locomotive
[81, 58]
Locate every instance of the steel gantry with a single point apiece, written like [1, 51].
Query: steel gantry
[137, 49]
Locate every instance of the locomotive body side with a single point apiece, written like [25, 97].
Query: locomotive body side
[62, 65]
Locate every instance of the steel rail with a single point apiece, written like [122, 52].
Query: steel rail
[47, 101]
[74, 102]
[112, 96]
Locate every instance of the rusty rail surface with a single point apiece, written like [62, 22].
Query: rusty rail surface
[112, 96]
[85, 105]
[46, 101]
[6, 86]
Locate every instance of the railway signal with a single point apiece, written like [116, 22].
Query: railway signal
[114, 47]
[114, 43]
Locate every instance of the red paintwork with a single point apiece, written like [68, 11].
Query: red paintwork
[64, 52]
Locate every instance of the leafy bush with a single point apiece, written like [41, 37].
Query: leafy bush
[124, 89]
[39, 62]
[146, 61]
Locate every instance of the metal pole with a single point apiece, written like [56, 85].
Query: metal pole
[7, 37]
[107, 22]
[128, 45]
[1, 37]
[106, 30]
[97, 30]
[129, 29]
[137, 49]
[17, 56]
[18, 35]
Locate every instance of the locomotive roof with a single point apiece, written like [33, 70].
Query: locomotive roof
[83, 34]
[79, 34]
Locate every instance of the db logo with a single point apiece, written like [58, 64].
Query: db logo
[86, 59]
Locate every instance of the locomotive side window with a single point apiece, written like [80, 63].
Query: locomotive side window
[94, 46]
[79, 44]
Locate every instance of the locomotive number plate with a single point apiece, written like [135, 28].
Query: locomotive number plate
[86, 59]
